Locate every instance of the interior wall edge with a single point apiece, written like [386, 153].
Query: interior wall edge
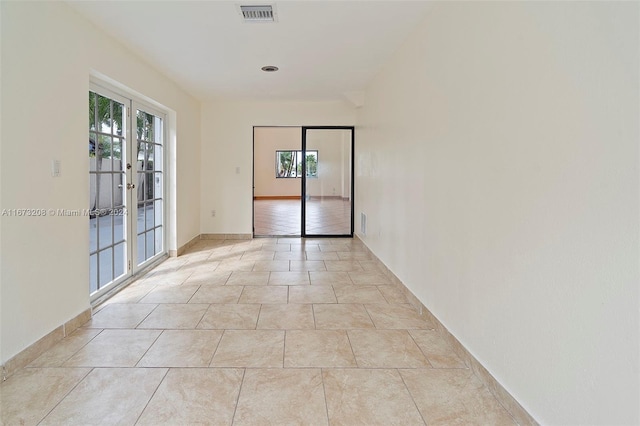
[508, 401]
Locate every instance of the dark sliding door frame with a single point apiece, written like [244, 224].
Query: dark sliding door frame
[304, 180]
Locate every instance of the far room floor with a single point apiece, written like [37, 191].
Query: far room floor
[325, 216]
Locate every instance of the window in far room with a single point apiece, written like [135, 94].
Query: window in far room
[289, 164]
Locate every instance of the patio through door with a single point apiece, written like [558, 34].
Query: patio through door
[126, 194]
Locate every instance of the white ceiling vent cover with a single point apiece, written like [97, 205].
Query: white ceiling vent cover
[260, 13]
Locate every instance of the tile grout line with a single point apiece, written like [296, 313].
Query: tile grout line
[411, 396]
[67, 394]
[235, 409]
[152, 395]
[213, 355]
[324, 393]
[147, 350]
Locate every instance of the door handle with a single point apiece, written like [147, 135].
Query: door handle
[131, 185]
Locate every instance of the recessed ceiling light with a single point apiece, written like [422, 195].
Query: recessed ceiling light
[269, 68]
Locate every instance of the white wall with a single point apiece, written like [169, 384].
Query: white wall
[268, 140]
[48, 53]
[330, 144]
[227, 128]
[497, 161]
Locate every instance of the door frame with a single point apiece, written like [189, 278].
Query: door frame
[303, 181]
[132, 269]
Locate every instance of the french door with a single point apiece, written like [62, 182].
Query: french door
[126, 195]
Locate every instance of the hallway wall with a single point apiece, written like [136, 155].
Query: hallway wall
[268, 140]
[227, 134]
[497, 163]
[48, 54]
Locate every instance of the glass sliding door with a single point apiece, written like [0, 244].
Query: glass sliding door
[126, 195]
[327, 163]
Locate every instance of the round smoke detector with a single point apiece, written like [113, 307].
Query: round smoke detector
[269, 68]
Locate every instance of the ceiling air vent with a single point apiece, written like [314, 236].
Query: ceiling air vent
[262, 13]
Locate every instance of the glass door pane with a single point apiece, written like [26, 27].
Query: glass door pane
[107, 198]
[327, 175]
[150, 185]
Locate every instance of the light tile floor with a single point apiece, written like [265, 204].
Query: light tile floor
[251, 333]
[326, 216]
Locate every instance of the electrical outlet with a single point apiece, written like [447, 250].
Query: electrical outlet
[213, 213]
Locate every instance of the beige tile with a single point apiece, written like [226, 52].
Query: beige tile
[359, 294]
[227, 316]
[371, 266]
[198, 255]
[124, 315]
[307, 265]
[328, 247]
[395, 316]
[217, 294]
[286, 317]
[289, 278]
[368, 397]
[343, 265]
[454, 397]
[114, 348]
[181, 316]
[108, 396]
[194, 396]
[170, 294]
[341, 316]
[258, 255]
[208, 277]
[318, 348]
[282, 247]
[248, 278]
[272, 265]
[289, 240]
[242, 246]
[29, 394]
[330, 278]
[322, 255]
[393, 294]
[353, 255]
[281, 397]
[66, 348]
[290, 255]
[369, 278]
[182, 348]
[250, 348]
[168, 278]
[386, 349]
[131, 294]
[235, 265]
[172, 264]
[267, 294]
[312, 294]
[439, 353]
[226, 259]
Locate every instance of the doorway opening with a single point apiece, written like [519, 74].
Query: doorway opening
[303, 181]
